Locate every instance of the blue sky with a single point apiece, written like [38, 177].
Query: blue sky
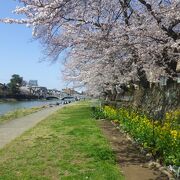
[20, 55]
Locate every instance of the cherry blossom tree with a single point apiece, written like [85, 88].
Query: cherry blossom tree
[109, 42]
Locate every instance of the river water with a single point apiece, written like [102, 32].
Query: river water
[12, 106]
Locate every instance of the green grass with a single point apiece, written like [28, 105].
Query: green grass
[18, 113]
[67, 145]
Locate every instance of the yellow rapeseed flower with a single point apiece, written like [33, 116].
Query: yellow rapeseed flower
[174, 133]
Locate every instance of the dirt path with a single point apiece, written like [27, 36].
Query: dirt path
[16, 127]
[132, 163]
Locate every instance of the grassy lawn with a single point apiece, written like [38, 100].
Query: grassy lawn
[67, 145]
[18, 113]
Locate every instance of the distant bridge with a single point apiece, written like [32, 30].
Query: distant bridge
[52, 97]
[59, 97]
[43, 92]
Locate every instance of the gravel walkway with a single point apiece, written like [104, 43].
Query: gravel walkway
[16, 127]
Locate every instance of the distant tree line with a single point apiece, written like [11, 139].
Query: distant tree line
[12, 89]
[14, 84]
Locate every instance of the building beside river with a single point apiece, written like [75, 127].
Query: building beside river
[31, 90]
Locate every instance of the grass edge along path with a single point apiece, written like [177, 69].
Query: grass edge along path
[19, 113]
[66, 145]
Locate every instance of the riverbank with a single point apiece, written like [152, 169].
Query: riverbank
[14, 128]
[4, 100]
[66, 145]
[19, 113]
[13, 106]
[70, 144]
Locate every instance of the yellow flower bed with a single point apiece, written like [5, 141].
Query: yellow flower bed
[161, 139]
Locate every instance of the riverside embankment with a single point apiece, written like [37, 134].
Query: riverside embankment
[71, 144]
[12, 129]
[14, 105]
